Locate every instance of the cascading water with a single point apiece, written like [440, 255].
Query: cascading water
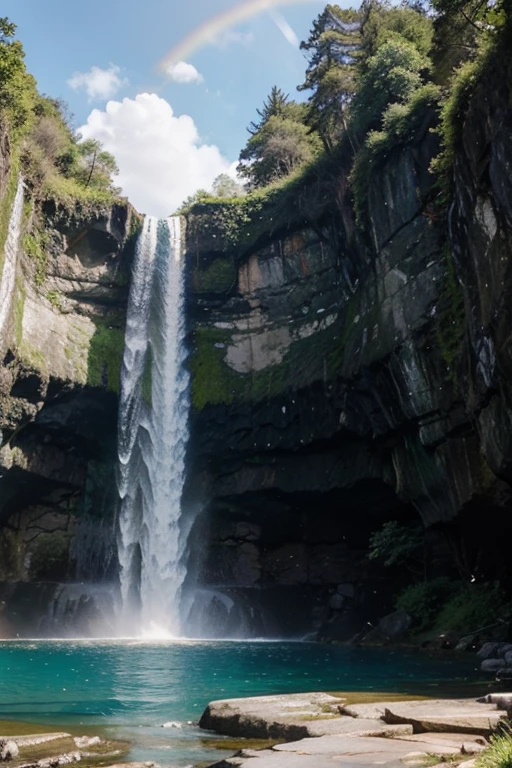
[153, 433]
[8, 275]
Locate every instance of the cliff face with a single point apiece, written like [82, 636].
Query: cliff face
[341, 378]
[340, 381]
[61, 351]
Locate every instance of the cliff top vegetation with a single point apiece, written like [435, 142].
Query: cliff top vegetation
[377, 77]
[57, 164]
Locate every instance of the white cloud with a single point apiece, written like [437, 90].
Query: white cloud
[230, 36]
[284, 27]
[98, 83]
[161, 160]
[183, 72]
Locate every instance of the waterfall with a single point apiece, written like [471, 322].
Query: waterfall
[8, 275]
[153, 433]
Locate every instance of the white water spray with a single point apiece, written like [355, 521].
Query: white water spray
[153, 433]
[8, 276]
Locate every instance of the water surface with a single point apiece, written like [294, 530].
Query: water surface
[133, 688]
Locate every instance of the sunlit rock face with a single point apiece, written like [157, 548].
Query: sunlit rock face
[60, 354]
[343, 379]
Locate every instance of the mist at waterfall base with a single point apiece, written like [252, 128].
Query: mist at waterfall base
[130, 689]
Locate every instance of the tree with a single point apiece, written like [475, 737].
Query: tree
[279, 143]
[390, 77]
[281, 146]
[275, 106]
[226, 186]
[96, 166]
[333, 49]
[17, 87]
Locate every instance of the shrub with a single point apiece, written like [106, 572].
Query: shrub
[499, 753]
[423, 601]
[473, 607]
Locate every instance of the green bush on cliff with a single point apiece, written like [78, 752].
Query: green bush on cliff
[424, 600]
[474, 606]
[446, 605]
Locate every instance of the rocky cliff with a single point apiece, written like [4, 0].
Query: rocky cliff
[342, 378]
[61, 351]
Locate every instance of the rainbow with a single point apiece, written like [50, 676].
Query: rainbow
[214, 27]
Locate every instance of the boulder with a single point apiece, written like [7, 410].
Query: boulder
[395, 625]
[8, 749]
[489, 650]
[336, 602]
[466, 644]
[492, 665]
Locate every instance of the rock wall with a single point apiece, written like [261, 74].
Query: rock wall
[60, 359]
[343, 379]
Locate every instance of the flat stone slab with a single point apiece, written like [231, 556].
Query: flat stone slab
[341, 750]
[393, 734]
[37, 738]
[456, 715]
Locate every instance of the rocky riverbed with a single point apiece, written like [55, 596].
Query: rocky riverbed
[321, 729]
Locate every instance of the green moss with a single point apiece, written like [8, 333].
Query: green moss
[74, 202]
[34, 245]
[105, 358]
[55, 299]
[234, 225]
[215, 382]
[451, 327]
[217, 277]
[453, 112]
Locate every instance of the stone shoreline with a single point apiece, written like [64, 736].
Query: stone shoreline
[321, 730]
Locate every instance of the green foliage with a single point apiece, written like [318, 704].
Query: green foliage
[225, 186]
[391, 76]
[279, 144]
[474, 606]
[17, 87]
[34, 245]
[332, 49]
[446, 605]
[452, 113]
[499, 752]
[384, 21]
[234, 225]
[397, 544]
[105, 358]
[424, 600]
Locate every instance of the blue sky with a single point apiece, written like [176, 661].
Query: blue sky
[194, 123]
